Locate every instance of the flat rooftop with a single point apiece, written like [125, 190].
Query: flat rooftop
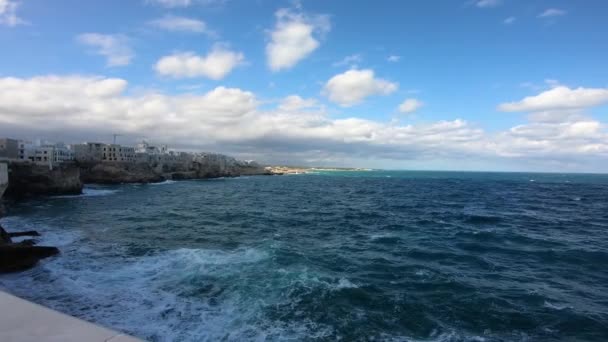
[24, 321]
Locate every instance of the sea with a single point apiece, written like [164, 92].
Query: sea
[329, 256]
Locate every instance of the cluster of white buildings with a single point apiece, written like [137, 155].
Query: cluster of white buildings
[39, 151]
[47, 153]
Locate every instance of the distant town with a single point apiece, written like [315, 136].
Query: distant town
[44, 152]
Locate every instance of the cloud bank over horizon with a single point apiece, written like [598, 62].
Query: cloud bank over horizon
[234, 119]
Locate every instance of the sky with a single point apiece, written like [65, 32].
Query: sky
[489, 85]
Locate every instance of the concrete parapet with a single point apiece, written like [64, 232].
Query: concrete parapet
[23, 321]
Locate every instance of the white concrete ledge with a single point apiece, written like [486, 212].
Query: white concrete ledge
[23, 321]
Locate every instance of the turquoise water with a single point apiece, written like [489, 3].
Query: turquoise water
[352, 256]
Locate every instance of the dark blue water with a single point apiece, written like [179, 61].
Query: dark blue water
[382, 256]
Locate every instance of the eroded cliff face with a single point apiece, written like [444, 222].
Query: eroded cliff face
[27, 179]
[200, 167]
[116, 173]
[3, 178]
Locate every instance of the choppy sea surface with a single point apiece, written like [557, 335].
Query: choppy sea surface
[351, 256]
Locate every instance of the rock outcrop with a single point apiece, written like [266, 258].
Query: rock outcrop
[117, 173]
[28, 179]
[3, 178]
[200, 166]
[22, 255]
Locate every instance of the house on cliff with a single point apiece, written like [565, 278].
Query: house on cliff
[9, 149]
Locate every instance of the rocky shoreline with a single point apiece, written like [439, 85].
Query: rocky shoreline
[30, 180]
[20, 256]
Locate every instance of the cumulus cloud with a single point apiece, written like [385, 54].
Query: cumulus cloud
[8, 13]
[559, 98]
[393, 58]
[231, 120]
[410, 105]
[353, 86]
[182, 24]
[115, 47]
[295, 103]
[218, 63]
[295, 36]
[552, 12]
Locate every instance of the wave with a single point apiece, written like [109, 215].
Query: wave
[556, 306]
[168, 181]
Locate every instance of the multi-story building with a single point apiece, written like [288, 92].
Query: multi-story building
[118, 153]
[88, 151]
[145, 147]
[96, 152]
[9, 149]
[45, 152]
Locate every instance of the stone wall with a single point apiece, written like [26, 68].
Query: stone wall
[28, 179]
[3, 178]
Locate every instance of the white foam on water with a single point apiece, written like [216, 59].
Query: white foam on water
[167, 182]
[48, 235]
[375, 237]
[423, 273]
[155, 297]
[344, 283]
[556, 306]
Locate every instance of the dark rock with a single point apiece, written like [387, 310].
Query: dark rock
[28, 179]
[18, 257]
[117, 173]
[28, 242]
[4, 237]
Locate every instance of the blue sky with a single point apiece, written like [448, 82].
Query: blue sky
[347, 65]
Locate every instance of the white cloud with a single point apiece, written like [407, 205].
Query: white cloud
[294, 37]
[295, 103]
[552, 12]
[115, 47]
[181, 24]
[393, 58]
[558, 98]
[509, 20]
[218, 63]
[410, 105]
[488, 3]
[350, 61]
[230, 120]
[8, 13]
[353, 86]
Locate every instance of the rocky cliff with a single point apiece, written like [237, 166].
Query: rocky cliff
[27, 179]
[116, 173]
[200, 166]
[3, 178]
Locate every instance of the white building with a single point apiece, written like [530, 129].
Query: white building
[145, 147]
[44, 152]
